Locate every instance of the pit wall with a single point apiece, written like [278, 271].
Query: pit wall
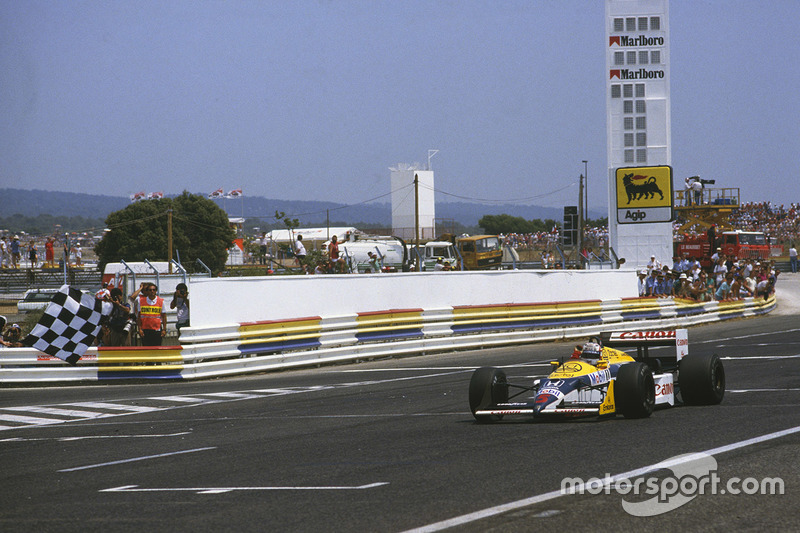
[222, 301]
[260, 324]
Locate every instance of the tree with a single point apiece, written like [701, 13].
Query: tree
[200, 230]
[502, 224]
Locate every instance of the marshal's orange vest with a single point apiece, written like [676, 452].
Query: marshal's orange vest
[150, 314]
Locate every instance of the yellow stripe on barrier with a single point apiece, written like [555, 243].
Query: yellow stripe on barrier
[522, 318]
[269, 329]
[139, 356]
[521, 312]
[276, 338]
[390, 318]
[140, 368]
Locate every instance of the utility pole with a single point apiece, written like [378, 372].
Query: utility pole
[586, 192]
[580, 221]
[169, 239]
[416, 220]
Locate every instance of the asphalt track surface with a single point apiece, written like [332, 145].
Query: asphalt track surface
[391, 446]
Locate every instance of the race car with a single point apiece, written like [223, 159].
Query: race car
[601, 380]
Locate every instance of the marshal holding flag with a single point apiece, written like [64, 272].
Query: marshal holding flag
[69, 325]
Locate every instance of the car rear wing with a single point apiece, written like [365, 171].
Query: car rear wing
[643, 340]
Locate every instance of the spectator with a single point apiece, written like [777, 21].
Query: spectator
[12, 338]
[337, 263]
[300, 252]
[712, 237]
[118, 329]
[793, 258]
[710, 286]
[372, 263]
[719, 271]
[151, 320]
[104, 293]
[738, 288]
[263, 243]
[697, 290]
[78, 255]
[663, 287]
[333, 249]
[697, 189]
[15, 252]
[653, 264]
[694, 272]
[764, 288]
[3, 254]
[724, 288]
[33, 256]
[682, 287]
[652, 281]
[687, 192]
[49, 254]
[180, 301]
[642, 284]
[3, 322]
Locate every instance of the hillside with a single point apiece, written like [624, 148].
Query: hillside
[31, 203]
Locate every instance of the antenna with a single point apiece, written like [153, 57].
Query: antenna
[431, 153]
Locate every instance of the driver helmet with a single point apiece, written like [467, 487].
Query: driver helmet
[591, 351]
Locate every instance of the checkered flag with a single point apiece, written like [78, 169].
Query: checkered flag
[69, 325]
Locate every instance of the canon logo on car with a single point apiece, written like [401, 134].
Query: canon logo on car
[633, 335]
[664, 389]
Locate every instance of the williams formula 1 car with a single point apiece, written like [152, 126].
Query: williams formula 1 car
[600, 380]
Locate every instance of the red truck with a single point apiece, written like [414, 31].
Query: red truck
[737, 244]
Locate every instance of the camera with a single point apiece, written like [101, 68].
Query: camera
[708, 182]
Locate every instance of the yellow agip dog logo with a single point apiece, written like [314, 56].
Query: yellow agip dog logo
[644, 194]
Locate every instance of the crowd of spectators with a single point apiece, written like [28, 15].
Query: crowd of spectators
[595, 236]
[780, 224]
[39, 251]
[726, 280]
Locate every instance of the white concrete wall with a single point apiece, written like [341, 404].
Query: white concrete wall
[225, 301]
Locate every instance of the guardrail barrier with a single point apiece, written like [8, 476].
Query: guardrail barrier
[277, 344]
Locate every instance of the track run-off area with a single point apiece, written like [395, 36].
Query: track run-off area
[390, 445]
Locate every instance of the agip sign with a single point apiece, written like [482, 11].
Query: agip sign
[644, 194]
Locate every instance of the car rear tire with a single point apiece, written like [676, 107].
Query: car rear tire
[701, 378]
[487, 387]
[635, 391]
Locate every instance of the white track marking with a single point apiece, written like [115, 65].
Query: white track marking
[763, 357]
[134, 459]
[511, 506]
[32, 420]
[116, 407]
[223, 490]
[72, 413]
[762, 390]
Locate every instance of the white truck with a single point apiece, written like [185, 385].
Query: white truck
[435, 250]
[391, 252]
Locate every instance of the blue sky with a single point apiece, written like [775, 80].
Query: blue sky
[315, 100]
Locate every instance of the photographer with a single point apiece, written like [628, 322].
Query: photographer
[180, 300]
[12, 338]
[118, 329]
[697, 188]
